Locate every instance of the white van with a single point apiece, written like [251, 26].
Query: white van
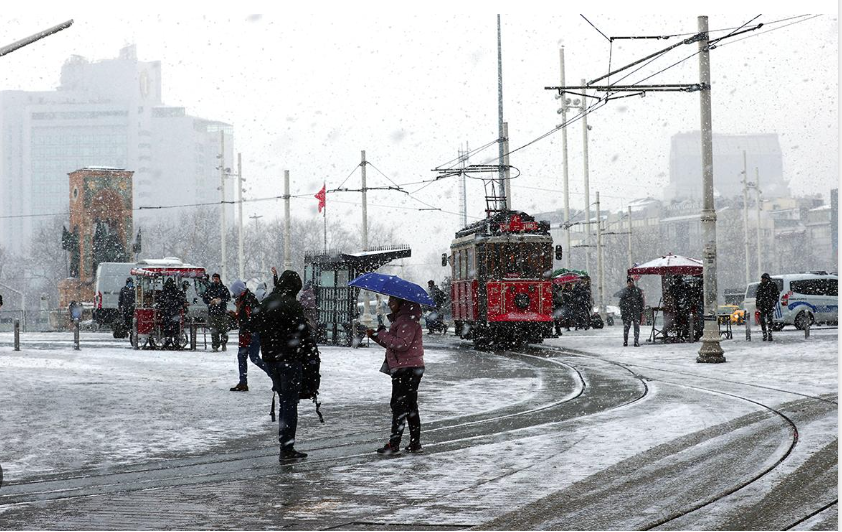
[110, 279]
[804, 298]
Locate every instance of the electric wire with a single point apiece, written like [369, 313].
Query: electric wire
[597, 105]
[594, 27]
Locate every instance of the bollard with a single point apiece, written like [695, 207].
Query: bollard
[748, 326]
[76, 335]
[17, 335]
[192, 335]
[807, 330]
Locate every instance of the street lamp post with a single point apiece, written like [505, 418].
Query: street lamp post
[711, 350]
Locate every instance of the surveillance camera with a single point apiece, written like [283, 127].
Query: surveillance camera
[567, 101]
[557, 96]
[560, 110]
[576, 101]
[590, 127]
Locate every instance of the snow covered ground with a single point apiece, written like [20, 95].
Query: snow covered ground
[65, 410]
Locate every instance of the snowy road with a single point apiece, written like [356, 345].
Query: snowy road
[576, 434]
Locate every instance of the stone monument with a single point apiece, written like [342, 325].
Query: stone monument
[100, 228]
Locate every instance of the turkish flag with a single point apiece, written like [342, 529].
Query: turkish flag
[321, 195]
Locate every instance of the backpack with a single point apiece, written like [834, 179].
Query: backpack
[310, 380]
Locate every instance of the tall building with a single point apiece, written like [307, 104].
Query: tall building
[108, 113]
[763, 153]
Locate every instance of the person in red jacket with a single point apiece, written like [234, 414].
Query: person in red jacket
[405, 362]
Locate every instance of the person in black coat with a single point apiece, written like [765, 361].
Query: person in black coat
[125, 303]
[767, 298]
[631, 308]
[170, 304]
[681, 308]
[285, 341]
[216, 297]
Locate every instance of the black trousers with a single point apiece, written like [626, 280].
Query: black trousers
[766, 318]
[404, 405]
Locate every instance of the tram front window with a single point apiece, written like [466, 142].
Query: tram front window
[518, 260]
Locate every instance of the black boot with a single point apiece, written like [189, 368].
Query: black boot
[289, 454]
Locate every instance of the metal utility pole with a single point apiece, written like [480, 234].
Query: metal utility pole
[631, 264]
[563, 112]
[587, 176]
[502, 173]
[745, 217]
[759, 239]
[31, 39]
[508, 188]
[464, 196]
[711, 350]
[287, 233]
[240, 259]
[365, 205]
[256, 218]
[222, 204]
[599, 268]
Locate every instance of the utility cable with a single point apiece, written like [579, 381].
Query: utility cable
[594, 27]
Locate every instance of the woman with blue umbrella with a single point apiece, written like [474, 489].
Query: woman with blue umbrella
[404, 354]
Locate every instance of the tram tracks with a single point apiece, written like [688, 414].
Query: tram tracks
[443, 434]
[666, 517]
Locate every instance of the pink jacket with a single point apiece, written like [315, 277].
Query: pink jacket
[404, 347]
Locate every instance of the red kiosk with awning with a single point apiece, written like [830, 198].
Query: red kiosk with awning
[669, 267]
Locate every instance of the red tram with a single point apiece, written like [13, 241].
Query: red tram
[501, 291]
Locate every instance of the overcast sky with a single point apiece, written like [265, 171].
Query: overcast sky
[308, 92]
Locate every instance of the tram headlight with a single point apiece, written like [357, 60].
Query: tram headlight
[522, 301]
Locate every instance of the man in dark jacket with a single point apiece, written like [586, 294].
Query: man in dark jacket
[170, 305]
[125, 303]
[631, 307]
[767, 298]
[216, 297]
[681, 308]
[285, 342]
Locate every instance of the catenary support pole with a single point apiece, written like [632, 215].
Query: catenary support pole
[502, 149]
[599, 263]
[711, 350]
[631, 264]
[508, 188]
[222, 204]
[240, 258]
[287, 230]
[365, 204]
[587, 180]
[759, 233]
[566, 183]
[745, 220]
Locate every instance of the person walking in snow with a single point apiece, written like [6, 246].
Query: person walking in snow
[631, 308]
[125, 303]
[286, 343]
[216, 297]
[405, 362]
[767, 298]
[249, 345]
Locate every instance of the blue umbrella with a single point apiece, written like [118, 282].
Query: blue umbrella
[392, 285]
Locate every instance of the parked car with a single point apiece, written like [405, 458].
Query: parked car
[805, 298]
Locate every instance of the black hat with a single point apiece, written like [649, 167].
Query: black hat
[629, 280]
[765, 276]
[216, 275]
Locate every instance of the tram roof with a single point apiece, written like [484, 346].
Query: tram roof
[506, 223]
